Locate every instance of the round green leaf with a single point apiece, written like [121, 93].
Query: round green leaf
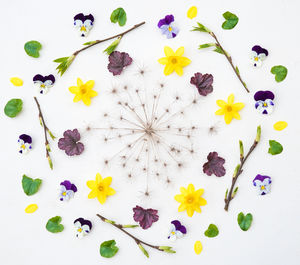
[30, 186]
[118, 15]
[108, 249]
[275, 147]
[13, 107]
[32, 48]
[53, 225]
[244, 221]
[280, 72]
[212, 231]
[231, 20]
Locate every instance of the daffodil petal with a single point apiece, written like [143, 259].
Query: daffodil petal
[236, 115]
[163, 60]
[107, 181]
[202, 201]
[238, 106]
[169, 69]
[77, 98]
[179, 51]
[91, 184]
[191, 188]
[179, 198]
[101, 198]
[74, 89]
[111, 191]
[190, 212]
[230, 99]
[93, 194]
[183, 190]
[228, 118]
[221, 103]
[90, 84]
[79, 82]
[182, 207]
[179, 70]
[98, 178]
[220, 112]
[93, 93]
[199, 192]
[184, 61]
[168, 51]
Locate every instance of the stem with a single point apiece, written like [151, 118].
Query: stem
[120, 227]
[115, 36]
[234, 179]
[229, 59]
[41, 117]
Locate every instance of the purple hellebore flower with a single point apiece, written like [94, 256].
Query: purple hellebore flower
[82, 226]
[264, 101]
[177, 230]
[24, 142]
[167, 28]
[263, 184]
[67, 190]
[83, 24]
[258, 55]
[43, 82]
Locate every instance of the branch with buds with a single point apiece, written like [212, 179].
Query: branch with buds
[139, 242]
[239, 168]
[219, 49]
[46, 130]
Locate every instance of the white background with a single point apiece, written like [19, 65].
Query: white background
[274, 235]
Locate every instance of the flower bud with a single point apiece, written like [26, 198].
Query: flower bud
[143, 250]
[258, 133]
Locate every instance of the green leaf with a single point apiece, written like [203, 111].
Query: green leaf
[32, 48]
[112, 46]
[206, 45]
[118, 15]
[218, 50]
[59, 60]
[201, 28]
[231, 20]
[212, 231]
[13, 107]
[145, 252]
[275, 147]
[30, 186]
[280, 72]
[108, 249]
[244, 221]
[54, 226]
[90, 42]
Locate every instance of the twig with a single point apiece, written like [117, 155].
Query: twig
[138, 241]
[43, 124]
[239, 169]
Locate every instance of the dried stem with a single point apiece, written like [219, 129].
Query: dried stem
[42, 121]
[229, 59]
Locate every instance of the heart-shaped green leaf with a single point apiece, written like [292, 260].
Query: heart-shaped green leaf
[13, 107]
[231, 20]
[54, 226]
[275, 147]
[244, 221]
[30, 186]
[108, 249]
[280, 72]
[118, 15]
[212, 231]
[32, 48]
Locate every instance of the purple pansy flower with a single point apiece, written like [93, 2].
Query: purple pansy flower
[83, 24]
[264, 101]
[43, 83]
[82, 227]
[177, 230]
[258, 55]
[145, 217]
[24, 142]
[70, 143]
[263, 184]
[67, 190]
[167, 27]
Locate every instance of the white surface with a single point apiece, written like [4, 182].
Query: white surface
[274, 235]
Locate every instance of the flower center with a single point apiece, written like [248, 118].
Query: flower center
[23, 146]
[42, 85]
[173, 233]
[265, 104]
[170, 28]
[190, 199]
[79, 230]
[64, 193]
[100, 188]
[256, 59]
[229, 108]
[82, 90]
[262, 187]
[174, 61]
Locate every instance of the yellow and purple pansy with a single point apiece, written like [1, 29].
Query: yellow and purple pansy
[24, 142]
[82, 227]
[258, 55]
[264, 101]
[43, 83]
[167, 27]
[83, 24]
[67, 190]
[263, 184]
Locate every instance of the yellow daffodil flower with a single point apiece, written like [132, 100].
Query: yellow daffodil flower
[190, 200]
[83, 92]
[174, 61]
[100, 188]
[229, 109]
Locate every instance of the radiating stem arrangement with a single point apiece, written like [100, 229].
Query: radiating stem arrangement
[139, 242]
[219, 49]
[239, 168]
[46, 130]
[65, 62]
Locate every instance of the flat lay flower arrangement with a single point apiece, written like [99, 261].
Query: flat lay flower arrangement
[151, 137]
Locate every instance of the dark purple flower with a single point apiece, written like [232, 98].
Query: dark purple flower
[264, 102]
[26, 138]
[82, 226]
[44, 82]
[259, 50]
[83, 24]
[214, 165]
[43, 79]
[166, 21]
[263, 95]
[258, 55]
[83, 221]
[118, 61]
[83, 18]
[145, 217]
[68, 185]
[70, 143]
[203, 83]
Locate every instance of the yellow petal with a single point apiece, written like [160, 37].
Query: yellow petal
[183, 190]
[236, 115]
[169, 69]
[163, 60]
[77, 98]
[16, 81]
[111, 192]
[230, 99]
[198, 247]
[101, 198]
[184, 61]
[91, 184]
[202, 201]
[199, 192]
[93, 93]
[179, 51]
[192, 12]
[198, 209]
[221, 103]
[98, 178]
[31, 208]
[74, 89]
[190, 211]
[179, 198]
[179, 70]
[191, 188]
[79, 82]
[228, 117]
[168, 51]
[107, 181]
[89, 84]
[93, 194]
[86, 100]
[238, 106]
[280, 125]
[182, 207]
[220, 112]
